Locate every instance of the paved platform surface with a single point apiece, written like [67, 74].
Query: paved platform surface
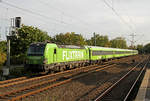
[144, 91]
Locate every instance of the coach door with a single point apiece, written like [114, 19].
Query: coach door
[54, 55]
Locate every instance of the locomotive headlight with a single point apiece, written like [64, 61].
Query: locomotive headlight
[45, 61]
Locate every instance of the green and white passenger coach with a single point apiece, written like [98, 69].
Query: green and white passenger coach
[44, 57]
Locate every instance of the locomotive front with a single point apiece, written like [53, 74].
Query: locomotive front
[35, 57]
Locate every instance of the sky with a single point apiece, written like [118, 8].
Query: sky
[114, 18]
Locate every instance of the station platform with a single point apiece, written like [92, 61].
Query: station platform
[144, 90]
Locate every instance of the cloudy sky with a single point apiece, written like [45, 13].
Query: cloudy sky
[115, 18]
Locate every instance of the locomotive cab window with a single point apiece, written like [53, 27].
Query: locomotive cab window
[36, 50]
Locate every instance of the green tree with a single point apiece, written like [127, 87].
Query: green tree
[26, 35]
[147, 48]
[118, 42]
[100, 41]
[140, 49]
[3, 47]
[2, 58]
[69, 39]
[2, 52]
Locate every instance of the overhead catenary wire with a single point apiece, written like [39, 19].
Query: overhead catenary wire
[122, 19]
[60, 22]
[117, 14]
[35, 17]
[73, 18]
[35, 13]
[30, 11]
[41, 20]
[65, 14]
[131, 21]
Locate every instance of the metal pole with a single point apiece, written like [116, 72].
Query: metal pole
[94, 39]
[6, 69]
[8, 51]
[132, 41]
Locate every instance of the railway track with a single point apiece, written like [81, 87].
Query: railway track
[27, 87]
[127, 97]
[67, 75]
[23, 78]
[68, 78]
[12, 80]
[111, 93]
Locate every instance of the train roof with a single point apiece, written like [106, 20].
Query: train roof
[83, 47]
[71, 46]
[107, 48]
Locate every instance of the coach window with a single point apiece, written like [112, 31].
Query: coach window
[55, 51]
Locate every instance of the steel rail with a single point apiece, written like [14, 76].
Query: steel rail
[112, 86]
[42, 77]
[32, 86]
[12, 80]
[45, 82]
[50, 75]
[55, 85]
[26, 88]
[125, 99]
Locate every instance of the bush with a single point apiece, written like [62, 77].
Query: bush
[2, 58]
[18, 59]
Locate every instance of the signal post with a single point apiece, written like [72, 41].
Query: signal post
[15, 23]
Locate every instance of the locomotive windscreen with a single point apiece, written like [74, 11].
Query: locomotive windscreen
[36, 50]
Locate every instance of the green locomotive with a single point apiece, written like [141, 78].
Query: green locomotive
[43, 57]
